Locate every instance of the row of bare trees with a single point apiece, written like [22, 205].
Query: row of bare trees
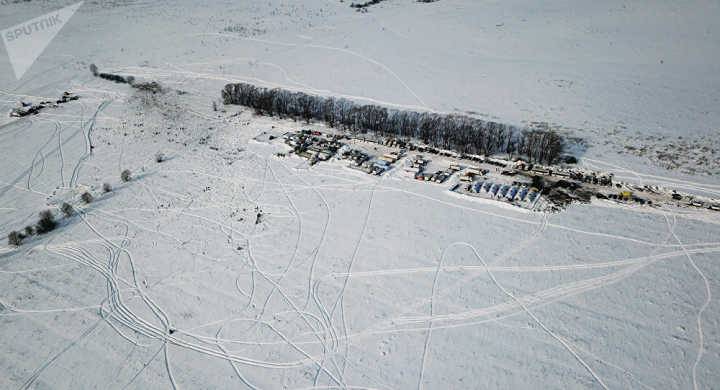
[448, 131]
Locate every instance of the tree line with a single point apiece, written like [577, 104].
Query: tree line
[459, 133]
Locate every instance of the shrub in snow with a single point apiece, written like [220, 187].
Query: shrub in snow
[29, 231]
[126, 175]
[67, 209]
[106, 187]
[86, 197]
[159, 157]
[46, 223]
[94, 69]
[15, 238]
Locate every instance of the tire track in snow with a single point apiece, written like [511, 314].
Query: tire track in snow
[428, 334]
[61, 158]
[352, 53]
[523, 269]
[88, 142]
[537, 321]
[31, 170]
[701, 310]
[36, 374]
[233, 364]
[341, 296]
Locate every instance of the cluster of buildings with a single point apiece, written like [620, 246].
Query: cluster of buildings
[316, 146]
[471, 173]
[313, 145]
[440, 176]
[356, 157]
[648, 195]
[522, 190]
[692, 201]
[368, 164]
[27, 108]
[589, 177]
[627, 196]
[383, 163]
[516, 193]
[714, 206]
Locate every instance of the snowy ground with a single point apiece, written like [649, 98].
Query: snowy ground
[350, 280]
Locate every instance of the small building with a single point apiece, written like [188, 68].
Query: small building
[532, 196]
[467, 177]
[387, 159]
[523, 193]
[542, 170]
[381, 163]
[477, 186]
[473, 170]
[511, 193]
[503, 190]
[487, 186]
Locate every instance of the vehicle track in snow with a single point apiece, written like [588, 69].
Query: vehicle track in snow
[532, 315]
[30, 381]
[703, 306]
[339, 302]
[526, 269]
[61, 158]
[38, 155]
[428, 334]
[88, 142]
[312, 287]
[233, 364]
[122, 314]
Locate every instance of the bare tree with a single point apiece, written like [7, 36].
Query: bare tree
[456, 132]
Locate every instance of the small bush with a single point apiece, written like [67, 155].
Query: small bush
[113, 77]
[94, 69]
[152, 87]
[67, 209]
[159, 157]
[86, 197]
[46, 223]
[29, 231]
[126, 175]
[15, 238]
[106, 187]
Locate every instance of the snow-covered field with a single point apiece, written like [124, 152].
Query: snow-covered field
[228, 267]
